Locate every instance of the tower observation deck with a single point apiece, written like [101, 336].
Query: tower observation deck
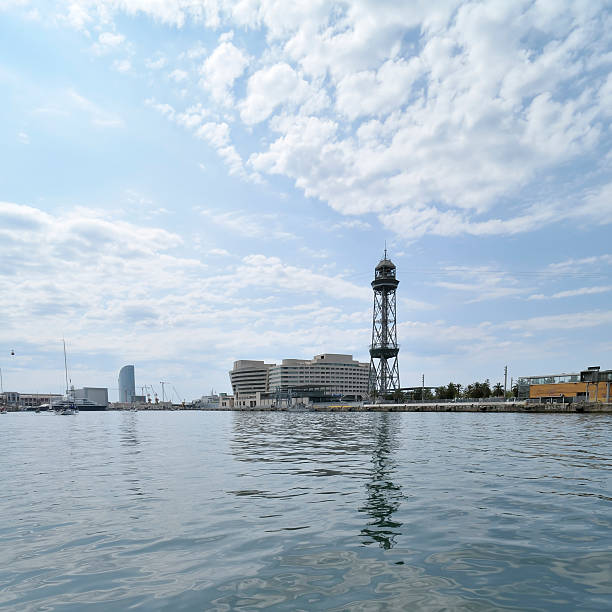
[384, 368]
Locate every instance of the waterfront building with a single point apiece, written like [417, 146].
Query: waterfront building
[226, 402]
[249, 377]
[335, 373]
[325, 376]
[27, 400]
[591, 385]
[127, 384]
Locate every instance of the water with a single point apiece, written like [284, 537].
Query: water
[249, 511]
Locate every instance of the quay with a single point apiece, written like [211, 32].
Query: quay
[527, 407]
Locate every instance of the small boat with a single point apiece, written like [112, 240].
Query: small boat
[65, 411]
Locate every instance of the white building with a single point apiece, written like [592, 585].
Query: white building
[26, 400]
[329, 373]
[249, 377]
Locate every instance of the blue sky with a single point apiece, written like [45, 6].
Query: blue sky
[187, 183]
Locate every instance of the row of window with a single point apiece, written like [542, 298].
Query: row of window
[549, 380]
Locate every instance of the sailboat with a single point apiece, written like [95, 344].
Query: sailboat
[66, 405]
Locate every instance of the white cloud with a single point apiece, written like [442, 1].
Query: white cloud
[110, 39]
[304, 148]
[157, 62]
[78, 16]
[352, 224]
[178, 75]
[271, 87]
[480, 283]
[444, 114]
[597, 206]
[272, 273]
[215, 133]
[192, 117]
[130, 297]
[218, 135]
[464, 121]
[219, 252]
[99, 116]
[163, 108]
[195, 52]
[573, 292]
[572, 266]
[241, 223]
[23, 138]
[578, 320]
[378, 92]
[315, 253]
[108, 42]
[219, 71]
[122, 66]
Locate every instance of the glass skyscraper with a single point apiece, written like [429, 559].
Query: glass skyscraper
[127, 385]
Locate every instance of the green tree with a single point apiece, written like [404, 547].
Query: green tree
[454, 390]
[450, 391]
[498, 390]
[399, 396]
[478, 390]
[442, 393]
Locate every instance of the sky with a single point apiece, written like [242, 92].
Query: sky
[186, 183]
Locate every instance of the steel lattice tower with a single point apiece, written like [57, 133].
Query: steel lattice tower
[384, 369]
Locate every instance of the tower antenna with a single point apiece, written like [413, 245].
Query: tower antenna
[384, 368]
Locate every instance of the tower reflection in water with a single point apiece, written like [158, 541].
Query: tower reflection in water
[384, 496]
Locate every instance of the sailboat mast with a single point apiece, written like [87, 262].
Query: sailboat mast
[65, 365]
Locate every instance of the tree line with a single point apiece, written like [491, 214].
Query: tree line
[453, 391]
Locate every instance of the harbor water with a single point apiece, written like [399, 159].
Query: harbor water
[305, 511]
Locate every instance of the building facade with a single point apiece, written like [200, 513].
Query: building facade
[126, 384]
[591, 385]
[335, 373]
[249, 377]
[257, 383]
[15, 400]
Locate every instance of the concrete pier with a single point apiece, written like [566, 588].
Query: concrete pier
[524, 407]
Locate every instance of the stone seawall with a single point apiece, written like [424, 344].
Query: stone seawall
[522, 407]
[581, 407]
[577, 408]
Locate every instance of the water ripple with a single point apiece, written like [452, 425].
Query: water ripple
[352, 511]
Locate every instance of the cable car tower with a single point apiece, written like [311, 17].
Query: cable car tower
[384, 369]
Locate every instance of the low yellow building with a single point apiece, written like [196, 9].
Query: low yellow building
[591, 385]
